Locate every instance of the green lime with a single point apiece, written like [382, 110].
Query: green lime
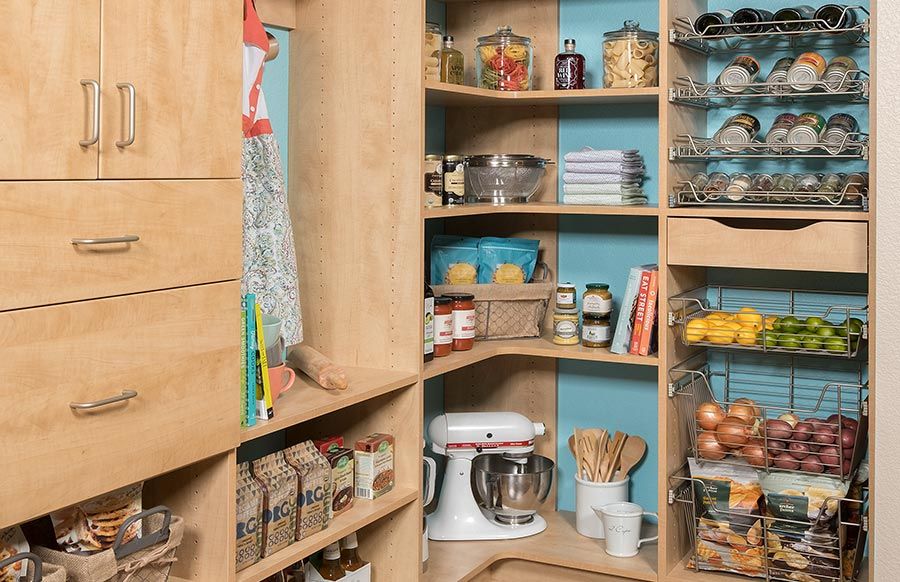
[835, 344]
[812, 342]
[854, 325]
[770, 340]
[776, 325]
[789, 341]
[827, 330]
[790, 324]
[814, 323]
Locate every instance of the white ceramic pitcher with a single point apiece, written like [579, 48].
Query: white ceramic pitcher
[622, 526]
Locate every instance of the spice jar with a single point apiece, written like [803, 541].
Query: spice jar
[503, 61]
[463, 305]
[443, 327]
[433, 38]
[565, 327]
[597, 300]
[565, 296]
[596, 332]
[631, 57]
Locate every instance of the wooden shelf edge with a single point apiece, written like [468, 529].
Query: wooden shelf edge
[445, 94]
[785, 214]
[360, 515]
[538, 208]
[306, 400]
[539, 347]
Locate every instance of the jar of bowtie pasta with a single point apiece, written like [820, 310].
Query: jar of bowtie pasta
[631, 57]
[503, 61]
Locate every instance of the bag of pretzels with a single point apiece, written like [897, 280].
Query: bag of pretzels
[92, 526]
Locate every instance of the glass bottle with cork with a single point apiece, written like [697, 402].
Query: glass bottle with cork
[452, 62]
[331, 568]
[569, 68]
[350, 560]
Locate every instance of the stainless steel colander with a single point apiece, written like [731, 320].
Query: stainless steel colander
[503, 178]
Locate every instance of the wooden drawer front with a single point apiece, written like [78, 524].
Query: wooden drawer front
[190, 233]
[840, 247]
[179, 350]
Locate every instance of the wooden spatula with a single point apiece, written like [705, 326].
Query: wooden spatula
[602, 439]
[632, 453]
[613, 464]
[572, 447]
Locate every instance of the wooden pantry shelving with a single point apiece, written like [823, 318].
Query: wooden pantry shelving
[447, 95]
[787, 214]
[539, 208]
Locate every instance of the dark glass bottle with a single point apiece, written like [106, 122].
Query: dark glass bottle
[719, 18]
[350, 560]
[791, 16]
[751, 21]
[835, 16]
[569, 68]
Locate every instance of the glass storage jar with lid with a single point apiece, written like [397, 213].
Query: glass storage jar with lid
[630, 57]
[433, 36]
[503, 61]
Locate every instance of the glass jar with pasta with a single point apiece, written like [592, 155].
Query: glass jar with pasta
[630, 57]
[503, 61]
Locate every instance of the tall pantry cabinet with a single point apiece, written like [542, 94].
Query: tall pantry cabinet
[120, 224]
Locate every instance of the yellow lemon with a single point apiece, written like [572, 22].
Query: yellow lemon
[749, 316]
[696, 330]
[770, 322]
[732, 325]
[721, 335]
[719, 315]
[746, 336]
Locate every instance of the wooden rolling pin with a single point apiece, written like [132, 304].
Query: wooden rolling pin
[323, 371]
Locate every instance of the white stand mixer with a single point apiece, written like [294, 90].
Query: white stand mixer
[462, 437]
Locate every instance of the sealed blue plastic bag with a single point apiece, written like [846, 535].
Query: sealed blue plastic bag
[454, 260]
[507, 260]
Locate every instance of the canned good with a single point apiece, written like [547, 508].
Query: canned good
[777, 79]
[739, 184]
[434, 180]
[454, 181]
[739, 129]
[780, 128]
[806, 72]
[838, 130]
[742, 70]
[718, 182]
[806, 130]
[807, 183]
[698, 182]
[839, 72]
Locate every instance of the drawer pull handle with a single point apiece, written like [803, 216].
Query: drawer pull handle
[125, 395]
[131, 109]
[95, 120]
[127, 238]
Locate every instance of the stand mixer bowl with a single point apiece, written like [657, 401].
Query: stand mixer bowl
[511, 489]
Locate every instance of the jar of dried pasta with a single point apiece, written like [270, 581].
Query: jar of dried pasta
[503, 61]
[630, 57]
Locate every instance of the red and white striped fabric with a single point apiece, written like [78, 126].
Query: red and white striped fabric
[256, 45]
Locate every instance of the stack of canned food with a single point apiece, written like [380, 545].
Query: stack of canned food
[827, 188]
[810, 71]
[791, 133]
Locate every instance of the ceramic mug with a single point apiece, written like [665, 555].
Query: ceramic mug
[281, 378]
[271, 329]
[622, 525]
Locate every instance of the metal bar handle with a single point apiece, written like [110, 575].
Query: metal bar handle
[95, 122]
[126, 238]
[125, 395]
[131, 110]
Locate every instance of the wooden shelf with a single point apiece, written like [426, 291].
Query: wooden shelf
[558, 545]
[540, 347]
[307, 400]
[360, 515]
[787, 213]
[448, 95]
[539, 208]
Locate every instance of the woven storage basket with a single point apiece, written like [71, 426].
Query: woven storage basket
[38, 571]
[507, 311]
[144, 559]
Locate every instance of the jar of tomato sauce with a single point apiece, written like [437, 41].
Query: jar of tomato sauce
[463, 305]
[443, 326]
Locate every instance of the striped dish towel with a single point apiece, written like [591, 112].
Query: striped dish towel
[605, 199]
[617, 188]
[604, 168]
[601, 179]
[592, 155]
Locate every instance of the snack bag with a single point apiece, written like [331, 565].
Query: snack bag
[507, 260]
[454, 260]
[12, 542]
[803, 498]
[93, 525]
[250, 503]
[312, 492]
[727, 491]
[279, 482]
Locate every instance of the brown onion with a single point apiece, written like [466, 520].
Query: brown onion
[786, 461]
[708, 447]
[777, 429]
[749, 403]
[754, 454]
[746, 412]
[733, 432]
[790, 418]
[709, 415]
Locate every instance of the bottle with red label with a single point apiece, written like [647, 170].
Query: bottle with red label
[463, 305]
[443, 327]
[569, 69]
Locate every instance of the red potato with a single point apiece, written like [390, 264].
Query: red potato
[777, 429]
[798, 450]
[786, 461]
[812, 464]
[803, 431]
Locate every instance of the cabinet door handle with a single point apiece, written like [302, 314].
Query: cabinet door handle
[95, 111]
[125, 395]
[127, 238]
[131, 108]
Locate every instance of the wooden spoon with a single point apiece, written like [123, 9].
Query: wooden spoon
[578, 451]
[602, 440]
[613, 464]
[589, 450]
[632, 453]
[572, 447]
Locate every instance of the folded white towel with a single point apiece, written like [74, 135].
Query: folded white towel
[601, 179]
[617, 188]
[605, 167]
[605, 199]
[592, 155]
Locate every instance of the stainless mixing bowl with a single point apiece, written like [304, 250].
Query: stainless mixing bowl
[503, 178]
[511, 489]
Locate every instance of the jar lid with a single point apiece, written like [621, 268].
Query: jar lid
[460, 296]
[433, 157]
[442, 300]
[598, 286]
[429, 24]
[506, 161]
[631, 29]
[566, 284]
[453, 158]
[503, 35]
[572, 311]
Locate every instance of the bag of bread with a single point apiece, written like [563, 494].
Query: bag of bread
[13, 542]
[250, 503]
[279, 482]
[509, 261]
[454, 260]
[93, 525]
[313, 486]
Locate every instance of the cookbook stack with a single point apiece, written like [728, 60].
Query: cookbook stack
[604, 177]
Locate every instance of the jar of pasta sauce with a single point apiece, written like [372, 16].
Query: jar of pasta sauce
[443, 326]
[463, 309]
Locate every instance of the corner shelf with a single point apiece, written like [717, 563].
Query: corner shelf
[357, 517]
[560, 545]
[540, 347]
[307, 400]
[448, 95]
[478, 209]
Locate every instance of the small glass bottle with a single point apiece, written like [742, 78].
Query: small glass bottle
[429, 323]
[452, 62]
[331, 568]
[569, 69]
[350, 560]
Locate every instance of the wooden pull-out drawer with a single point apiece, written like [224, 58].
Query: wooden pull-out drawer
[189, 232]
[840, 247]
[178, 350]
